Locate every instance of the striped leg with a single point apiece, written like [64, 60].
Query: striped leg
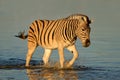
[75, 55]
[29, 56]
[46, 56]
[31, 49]
[61, 56]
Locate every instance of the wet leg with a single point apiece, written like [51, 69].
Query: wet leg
[61, 56]
[31, 49]
[75, 55]
[29, 56]
[46, 56]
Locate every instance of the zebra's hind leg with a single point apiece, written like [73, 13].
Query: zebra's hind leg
[75, 55]
[46, 56]
[31, 49]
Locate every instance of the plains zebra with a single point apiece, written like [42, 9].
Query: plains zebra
[58, 34]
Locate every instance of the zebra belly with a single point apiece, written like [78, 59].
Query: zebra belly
[55, 45]
[52, 45]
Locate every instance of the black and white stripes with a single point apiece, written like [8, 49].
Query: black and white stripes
[61, 33]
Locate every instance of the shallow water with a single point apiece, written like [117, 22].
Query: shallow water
[93, 65]
[16, 71]
[100, 61]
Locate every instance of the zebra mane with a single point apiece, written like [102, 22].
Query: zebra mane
[76, 16]
[79, 17]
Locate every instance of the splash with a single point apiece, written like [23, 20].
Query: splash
[56, 66]
[16, 63]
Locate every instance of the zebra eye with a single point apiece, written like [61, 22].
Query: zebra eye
[83, 29]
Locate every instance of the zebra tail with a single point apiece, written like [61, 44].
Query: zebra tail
[21, 35]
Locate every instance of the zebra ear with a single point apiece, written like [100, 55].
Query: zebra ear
[84, 19]
[91, 21]
[87, 20]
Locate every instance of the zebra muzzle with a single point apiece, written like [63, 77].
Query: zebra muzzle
[86, 43]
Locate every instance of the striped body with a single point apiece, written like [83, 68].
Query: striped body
[49, 34]
[58, 34]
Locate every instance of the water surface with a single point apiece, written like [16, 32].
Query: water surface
[101, 61]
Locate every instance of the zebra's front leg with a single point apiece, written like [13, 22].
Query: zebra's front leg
[61, 56]
[46, 56]
[75, 55]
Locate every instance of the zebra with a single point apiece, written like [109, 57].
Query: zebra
[58, 34]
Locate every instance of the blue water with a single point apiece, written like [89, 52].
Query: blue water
[100, 61]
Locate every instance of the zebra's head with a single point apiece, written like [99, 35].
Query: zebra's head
[83, 30]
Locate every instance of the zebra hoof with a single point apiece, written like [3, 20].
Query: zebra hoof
[27, 66]
[69, 66]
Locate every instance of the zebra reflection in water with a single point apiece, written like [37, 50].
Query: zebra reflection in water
[51, 74]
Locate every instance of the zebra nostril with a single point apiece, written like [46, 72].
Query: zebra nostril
[87, 41]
